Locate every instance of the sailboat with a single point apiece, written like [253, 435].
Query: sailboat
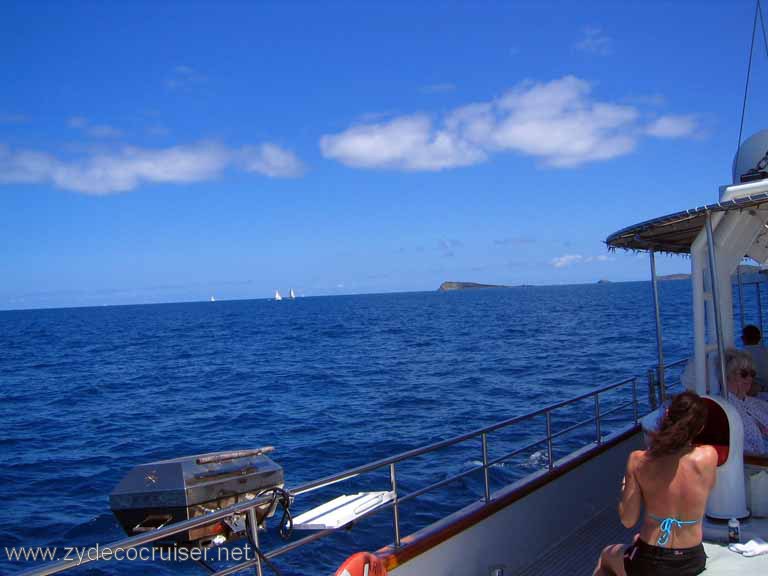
[277, 296]
[213, 299]
[292, 294]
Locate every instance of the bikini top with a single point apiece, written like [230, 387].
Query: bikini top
[666, 524]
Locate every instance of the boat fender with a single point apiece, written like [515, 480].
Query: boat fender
[362, 564]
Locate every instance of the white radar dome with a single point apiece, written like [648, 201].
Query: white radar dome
[752, 155]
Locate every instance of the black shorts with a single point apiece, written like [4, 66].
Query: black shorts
[642, 559]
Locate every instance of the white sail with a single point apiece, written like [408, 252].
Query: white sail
[292, 294]
[213, 299]
[277, 295]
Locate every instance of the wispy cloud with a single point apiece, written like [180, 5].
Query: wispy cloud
[94, 130]
[594, 41]
[77, 122]
[9, 119]
[184, 77]
[512, 241]
[447, 247]
[103, 173]
[438, 88]
[673, 126]
[558, 122]
[570, 259]
[157, 130]
[271, 160]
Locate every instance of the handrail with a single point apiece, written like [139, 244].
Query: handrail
[657, 386]
[334, 478]
[391, 461]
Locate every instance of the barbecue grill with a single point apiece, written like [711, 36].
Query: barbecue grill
[154, 495]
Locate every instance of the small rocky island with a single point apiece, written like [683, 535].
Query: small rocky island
[448, 286]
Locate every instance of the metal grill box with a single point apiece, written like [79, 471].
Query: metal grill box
[160, 493]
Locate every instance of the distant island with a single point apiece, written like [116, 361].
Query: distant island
[448, 286]
[675, 277]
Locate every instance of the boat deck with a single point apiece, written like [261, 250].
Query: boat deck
[578, 554]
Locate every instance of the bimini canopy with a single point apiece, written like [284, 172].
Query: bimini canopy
[676, 232]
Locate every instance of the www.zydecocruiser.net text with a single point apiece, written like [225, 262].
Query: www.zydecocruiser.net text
[81, 555]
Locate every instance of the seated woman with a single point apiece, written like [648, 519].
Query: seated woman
[740, 375]
[672, 480]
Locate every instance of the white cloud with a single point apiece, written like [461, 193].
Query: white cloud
[93, 130]
[103, 131]
[405, 143]
[271, 160]
[183, 77]
[129, 167]
[594, 41]
[558, 122]
[673, 126]
[566, 260]
[569, 259]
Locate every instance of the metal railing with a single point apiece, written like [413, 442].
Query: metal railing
[658, 387]
[249, 507]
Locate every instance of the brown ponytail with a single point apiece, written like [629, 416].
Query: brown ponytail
[682, 422]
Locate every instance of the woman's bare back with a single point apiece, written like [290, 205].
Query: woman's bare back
[675, 486]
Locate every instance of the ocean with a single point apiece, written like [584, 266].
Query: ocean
[331, 382]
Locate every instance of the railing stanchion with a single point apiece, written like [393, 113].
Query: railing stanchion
[659, 338]
[395, 510]
[549, 440]
[253, 533]
[634, 399]
[597, 418]
[652, 398]
[485, 468]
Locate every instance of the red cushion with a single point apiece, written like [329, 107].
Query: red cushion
[722, 453]
[716, 431]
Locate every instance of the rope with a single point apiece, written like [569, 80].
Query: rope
[749, 70]
[762, 25]
[284, 499]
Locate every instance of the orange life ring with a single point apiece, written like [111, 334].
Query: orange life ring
[362, 564]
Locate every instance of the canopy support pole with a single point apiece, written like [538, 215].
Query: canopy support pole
[716, 304]
[659, 340]
[741, 296]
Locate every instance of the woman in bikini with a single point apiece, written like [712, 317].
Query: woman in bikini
[671, 480]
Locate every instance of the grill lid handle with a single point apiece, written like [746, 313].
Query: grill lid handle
[224, 456]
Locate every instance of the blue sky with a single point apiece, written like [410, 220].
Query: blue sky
[158, 153]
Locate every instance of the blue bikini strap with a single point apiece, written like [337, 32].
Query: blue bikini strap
[666, 524]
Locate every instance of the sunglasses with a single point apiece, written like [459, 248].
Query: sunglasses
[744, 373]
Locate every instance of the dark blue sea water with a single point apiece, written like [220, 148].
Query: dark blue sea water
[332, 382]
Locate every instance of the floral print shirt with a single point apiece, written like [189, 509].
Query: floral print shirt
[754, 415]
